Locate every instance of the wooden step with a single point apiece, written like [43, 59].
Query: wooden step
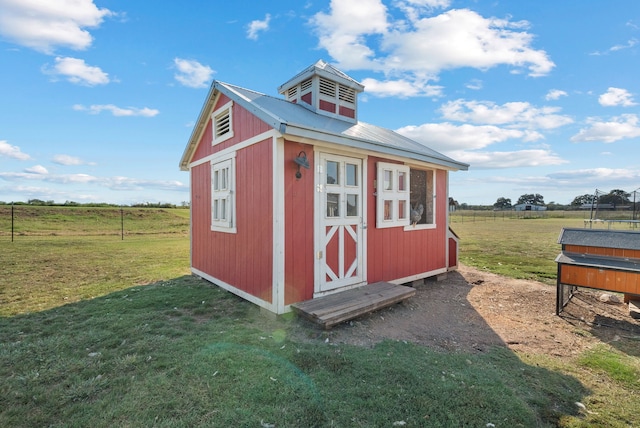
[634, 309]
[345, 305]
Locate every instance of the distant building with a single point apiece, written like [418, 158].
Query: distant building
[530, 207]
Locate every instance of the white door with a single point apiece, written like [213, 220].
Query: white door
[339, 238]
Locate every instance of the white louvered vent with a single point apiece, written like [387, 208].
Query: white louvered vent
[305, 86]
[223, 123]
[292, 93]
[328, 88]
[347, 94]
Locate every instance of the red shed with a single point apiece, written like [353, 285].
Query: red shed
[293, 198]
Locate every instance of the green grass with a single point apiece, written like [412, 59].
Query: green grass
[516, 247]
[99, 331]
[183, 353]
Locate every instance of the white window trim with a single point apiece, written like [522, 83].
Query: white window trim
[228, 107]
[394, 195]
[228, 194]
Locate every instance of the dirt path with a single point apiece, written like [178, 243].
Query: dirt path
[472, 310]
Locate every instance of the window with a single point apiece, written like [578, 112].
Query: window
[393, 195]
[222, 121]
[422, 197]
[405, 197]
[223, 195]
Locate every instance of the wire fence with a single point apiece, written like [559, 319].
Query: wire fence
[21, 221]
[605, 219]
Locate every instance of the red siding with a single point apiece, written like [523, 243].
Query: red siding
[327, 106]
[394, 253]
[453, 253]
[243, 259]
[347, 112]
[299, 232]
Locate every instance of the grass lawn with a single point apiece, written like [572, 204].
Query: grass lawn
[99, 331]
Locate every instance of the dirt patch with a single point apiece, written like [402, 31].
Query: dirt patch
[472, 310]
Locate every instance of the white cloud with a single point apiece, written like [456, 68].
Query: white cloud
[39, 173]
[630, 43]
[117, 111]
[400, 88]
[512, 159]
[37, 169]
[69, 160]
[512, 114]
[599, 173]
[342, 32]
[555, 94]
[191, 73]
[258, 26]
[419, 47]
[77, 71]
[618, 128]
[13, 152]
[616, 97]
[44, 25]
[449, 138]
[474, 84]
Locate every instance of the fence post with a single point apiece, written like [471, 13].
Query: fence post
[11, 221]
[121, 223]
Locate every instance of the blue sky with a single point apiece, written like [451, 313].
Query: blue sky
[99, 97]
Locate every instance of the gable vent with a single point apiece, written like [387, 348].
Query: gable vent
[292, 93]
[305, 86]
[223, 123]
[346, 94]
[328, 88]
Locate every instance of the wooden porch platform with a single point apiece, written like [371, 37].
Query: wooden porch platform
[345, 305]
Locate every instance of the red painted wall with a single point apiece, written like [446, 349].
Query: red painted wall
[299, 232]
[394, 253]
[243, 259]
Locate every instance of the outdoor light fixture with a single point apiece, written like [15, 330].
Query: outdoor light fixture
[301, 161]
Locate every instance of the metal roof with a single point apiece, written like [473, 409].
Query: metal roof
[603, 238]
[297, 120]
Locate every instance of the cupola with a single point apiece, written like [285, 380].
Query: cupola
[325, 90]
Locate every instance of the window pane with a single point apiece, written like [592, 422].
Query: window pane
[402, 210]
[216, 185]
[388, 210]
[352, 205]
[333, 172]
[352, 174]
[215, 210]
[422, 192]
[429, 207]
[388, 180]
[223, 209]
[224, 178]
[333, 205]
[402, 181]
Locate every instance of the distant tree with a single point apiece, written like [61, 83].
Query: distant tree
[502, 204]
[583, 199]
[615, 197]
[532, 199]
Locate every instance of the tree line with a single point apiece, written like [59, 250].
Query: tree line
[616, 198]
